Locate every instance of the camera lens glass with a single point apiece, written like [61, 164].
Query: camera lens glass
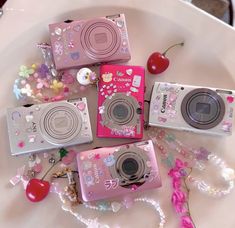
[203, 108]
[130, 166]
[120, 111]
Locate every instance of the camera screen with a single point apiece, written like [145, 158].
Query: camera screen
[203, 108]
[130, 166]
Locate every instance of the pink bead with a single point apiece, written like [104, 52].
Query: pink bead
[37, 168]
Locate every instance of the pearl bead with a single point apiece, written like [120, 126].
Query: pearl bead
[228, 174]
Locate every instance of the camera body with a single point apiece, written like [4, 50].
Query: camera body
[121, 101]
[40, 127]
[112, 171]
[88, 42]
[192, 108]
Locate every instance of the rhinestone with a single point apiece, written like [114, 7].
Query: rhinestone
[58, 31]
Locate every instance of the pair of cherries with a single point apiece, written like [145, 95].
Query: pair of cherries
[158, 62]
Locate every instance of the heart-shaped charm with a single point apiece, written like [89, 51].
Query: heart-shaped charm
[37, 190]
[29, 118]
[230, 99]
[74, 55]
[81, 106]
[116, 206]
[129, 72]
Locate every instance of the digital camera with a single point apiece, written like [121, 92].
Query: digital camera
[88, 42]
[121, 101]
[192, 108]
[113, 171]
[40, 127]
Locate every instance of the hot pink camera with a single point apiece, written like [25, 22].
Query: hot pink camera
[120, 102]
[87, 42]
[113, 171]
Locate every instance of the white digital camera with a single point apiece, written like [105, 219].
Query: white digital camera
[192, 108]
[40, 127]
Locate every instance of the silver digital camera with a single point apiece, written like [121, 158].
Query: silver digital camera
[192, 108]
[34, 128]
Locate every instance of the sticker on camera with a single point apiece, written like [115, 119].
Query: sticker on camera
[111, 184]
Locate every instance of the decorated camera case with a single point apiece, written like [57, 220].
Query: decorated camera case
[88, 42]
[192, 108]
[34, 128]
[113, 171]
[121, 101]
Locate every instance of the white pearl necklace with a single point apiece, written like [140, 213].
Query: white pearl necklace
[227, 173]
[114, 206]
[152, 202]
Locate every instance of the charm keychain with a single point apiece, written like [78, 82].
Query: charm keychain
[43, 83]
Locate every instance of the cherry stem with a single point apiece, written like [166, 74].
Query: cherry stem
[54, 164]
[179, 44]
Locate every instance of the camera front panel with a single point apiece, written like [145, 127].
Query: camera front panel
[89, 42]
[121, 101]
[46, 126]
[192, 108]
[112, 171]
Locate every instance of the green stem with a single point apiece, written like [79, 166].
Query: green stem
[179, 44]
[50, 169]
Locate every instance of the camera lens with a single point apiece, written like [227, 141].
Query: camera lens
[120, 111]
[130, 166]
[203, 108]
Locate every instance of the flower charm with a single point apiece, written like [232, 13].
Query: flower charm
[25, 72]
[56, 86]
[42, 83]
[17, 91]
[179, 197]
[27, 90]
[43, 71]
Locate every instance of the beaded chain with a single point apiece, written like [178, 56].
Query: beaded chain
[196, 158]
[109, 206]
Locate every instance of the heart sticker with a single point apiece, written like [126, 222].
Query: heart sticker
[74, 55]
[81, 106]
[129, 72]
[230, 99]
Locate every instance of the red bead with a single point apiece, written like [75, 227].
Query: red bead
[37, 190]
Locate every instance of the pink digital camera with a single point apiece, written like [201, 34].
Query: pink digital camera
[113, 171]
[87, 42]
[121, 102]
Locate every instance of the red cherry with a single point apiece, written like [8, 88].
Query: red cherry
[37, 190]
[158, 62]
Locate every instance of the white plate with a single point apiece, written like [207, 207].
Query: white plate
[207, 59]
